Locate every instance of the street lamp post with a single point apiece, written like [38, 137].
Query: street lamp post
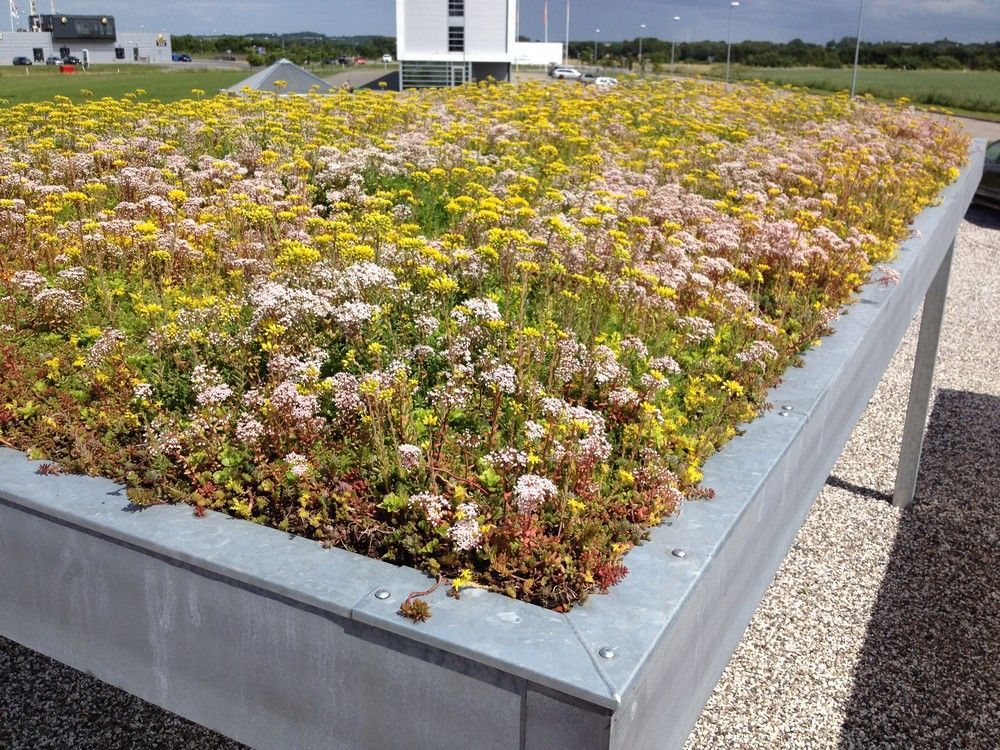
[642, 28]
[596, 32]
[673, 43]
[566, 56]
[857, 48]
[729, 45]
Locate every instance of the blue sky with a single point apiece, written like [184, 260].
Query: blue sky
[776, 20]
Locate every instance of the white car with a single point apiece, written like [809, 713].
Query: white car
[605, 81]
[387, 58]
[565, 72]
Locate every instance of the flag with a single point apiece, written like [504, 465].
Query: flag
[14, 10]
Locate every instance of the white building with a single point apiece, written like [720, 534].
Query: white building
[91, 38]
[450, 42]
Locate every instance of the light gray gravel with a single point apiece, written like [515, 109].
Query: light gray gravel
[882, 627]
[880, 630]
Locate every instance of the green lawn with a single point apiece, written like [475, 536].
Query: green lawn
[976, 92]
[41, 82]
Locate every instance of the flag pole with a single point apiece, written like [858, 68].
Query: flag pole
[545, 13]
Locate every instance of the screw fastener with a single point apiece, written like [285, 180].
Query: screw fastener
[679, 552]
[606, 652]
[382, 594]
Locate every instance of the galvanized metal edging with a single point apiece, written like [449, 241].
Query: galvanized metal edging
[666, 631]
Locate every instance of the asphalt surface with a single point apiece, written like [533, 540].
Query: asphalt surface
[880, 630]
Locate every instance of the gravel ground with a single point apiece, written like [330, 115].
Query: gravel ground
[880, 630]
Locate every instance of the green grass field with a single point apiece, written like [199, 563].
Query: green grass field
[975, 92]
[41, 82]
[166, 83]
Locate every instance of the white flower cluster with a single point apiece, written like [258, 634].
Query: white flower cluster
[299, 408]
[433, 506]
[572, 356]
[344, 391]
[249, 430]
[503, 378]
[506, 460]
[73, 277]
[531, 491]
[622, 397]
[352, 315]
[289, 306]
[105, 344]
[302, 368]
[594, 445]
[57, 305]
[142, 391]
[534, 431]
[479, 308]
[466, 534]
[409, 456]
[606, 366]
[634, 345]
[665, 364]
[30, 281]
[361, 277]
[426, 324]
[209, 387]
[696, 329]
[297, 464]
[758, 353]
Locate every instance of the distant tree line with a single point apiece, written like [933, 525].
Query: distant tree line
[300, 48]
[943, 54]
[306, 47]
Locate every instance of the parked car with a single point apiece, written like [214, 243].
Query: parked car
[605, 81]
[566, 72]
[359, 61]
[180, 57]
[387, 58]
[22, 61]
[53, 60]
[988, 192]
[71, 60]
[344, 60]
[587, 78]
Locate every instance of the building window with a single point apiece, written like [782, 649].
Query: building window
[456, 39]
[456, 7]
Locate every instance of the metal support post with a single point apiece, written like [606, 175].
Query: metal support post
[920, 385]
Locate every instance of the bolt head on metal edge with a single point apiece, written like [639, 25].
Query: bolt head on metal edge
[606, 652]
[679, 552]
[382, 594]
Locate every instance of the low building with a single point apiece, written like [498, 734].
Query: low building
[93, 39]
[450, 42]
